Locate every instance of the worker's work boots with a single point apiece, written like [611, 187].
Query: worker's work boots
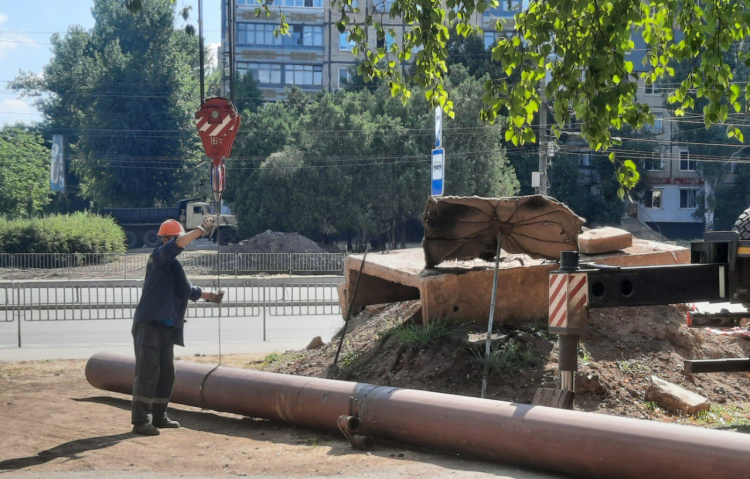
[166, 423]
[145, 428]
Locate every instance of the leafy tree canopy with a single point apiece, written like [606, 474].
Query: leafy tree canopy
[123, 94]
[24, 172]
[358, 161]
[581, 47]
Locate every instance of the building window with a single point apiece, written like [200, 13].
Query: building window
[686, 164]
[381, 6]
[658, 126]
[344, 77]
[489, 40]
[584, 160]
[257, 34]
[304, 36]
[265, 73]
[303, 75]
[651, 89]
[689, 198]
[386, 42]
[345, 44]
[654, 163]
[507, 8]
[292, 3]
[652, 199]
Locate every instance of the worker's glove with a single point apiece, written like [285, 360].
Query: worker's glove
[207, 225]
[215, 297]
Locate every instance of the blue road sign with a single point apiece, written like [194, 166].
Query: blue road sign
[438, 171]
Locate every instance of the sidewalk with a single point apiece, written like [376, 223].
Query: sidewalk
[38, 353]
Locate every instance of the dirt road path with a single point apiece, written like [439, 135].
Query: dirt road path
[55, 425]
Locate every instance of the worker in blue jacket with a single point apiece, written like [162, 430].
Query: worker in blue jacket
[158, 325]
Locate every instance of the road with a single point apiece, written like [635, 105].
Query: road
[79, 339]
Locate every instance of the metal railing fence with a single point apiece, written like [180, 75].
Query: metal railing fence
[125, 266]
[62, 300]
[106, 299]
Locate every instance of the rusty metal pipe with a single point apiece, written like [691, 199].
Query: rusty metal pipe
[569, 442]
[350, 423]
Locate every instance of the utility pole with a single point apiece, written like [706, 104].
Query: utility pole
[230, 31]
[542, 138]
[200, 47]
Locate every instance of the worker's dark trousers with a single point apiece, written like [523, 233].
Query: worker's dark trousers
[154, 371]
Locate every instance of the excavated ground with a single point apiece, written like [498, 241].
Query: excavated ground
[625, 347]
[57, 425]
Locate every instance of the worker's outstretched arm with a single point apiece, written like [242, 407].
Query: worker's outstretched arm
[205, 229]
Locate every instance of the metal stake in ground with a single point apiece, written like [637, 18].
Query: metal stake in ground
[492, 317]
[349, 308]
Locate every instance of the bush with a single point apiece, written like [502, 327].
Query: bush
[508, 359]
[75, 233]
[423, 336]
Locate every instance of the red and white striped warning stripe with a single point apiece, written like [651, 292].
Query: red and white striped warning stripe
[566, 292]
[203, 125]
[558, 299]
[578, 291]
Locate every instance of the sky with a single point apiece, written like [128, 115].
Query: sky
[25, 30]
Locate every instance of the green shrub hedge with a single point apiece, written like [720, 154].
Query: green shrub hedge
[74, 233]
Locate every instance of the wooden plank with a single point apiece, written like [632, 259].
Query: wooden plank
[733, 365]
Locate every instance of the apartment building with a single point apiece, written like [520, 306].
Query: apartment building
[674, 184]
[315, 56]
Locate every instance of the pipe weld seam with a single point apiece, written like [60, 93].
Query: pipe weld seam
[204, 404]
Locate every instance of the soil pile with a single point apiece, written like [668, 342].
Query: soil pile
[625, 348]
[276, 242]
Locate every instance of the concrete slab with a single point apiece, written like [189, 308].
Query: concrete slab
[604, 240]
[461, 290]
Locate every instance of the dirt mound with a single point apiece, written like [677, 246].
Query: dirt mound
[276, 242]
[625, 347]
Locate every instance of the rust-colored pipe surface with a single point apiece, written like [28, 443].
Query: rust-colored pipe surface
[569, 442]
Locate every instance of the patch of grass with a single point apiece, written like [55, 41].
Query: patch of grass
[348, 358]
[722, 416]
[634, 367]
[392, 326]
[422, 336]
[271, 358]
[651, 406]
[584, 354]
[508, 359]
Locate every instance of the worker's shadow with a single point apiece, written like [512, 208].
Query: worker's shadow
[209, 421]
[70, 450]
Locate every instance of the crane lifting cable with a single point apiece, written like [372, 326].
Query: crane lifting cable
[217, 122]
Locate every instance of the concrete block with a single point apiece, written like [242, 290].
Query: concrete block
[462, 290]
[675, 398]
[604, 240]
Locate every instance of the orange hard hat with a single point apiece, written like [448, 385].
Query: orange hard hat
[171, 228]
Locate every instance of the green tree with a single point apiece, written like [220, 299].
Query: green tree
[582, 45]
[471, 53]
[357, 163]
[126, 92]
[24, 172]
[272, 128]
[601, 208]
[714, 152]
[247, 95]
[733, 199]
